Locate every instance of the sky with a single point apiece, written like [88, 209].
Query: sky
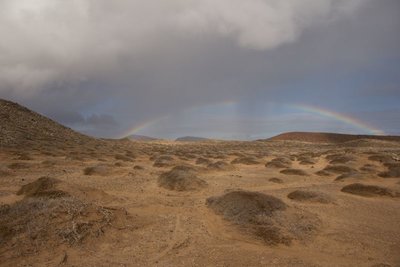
[225, 69]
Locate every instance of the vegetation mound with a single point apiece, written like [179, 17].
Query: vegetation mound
[290, 171]
[245, 161]
[181, 178]
[54, 213]
[369, 190]
[263, 216]
[310, 196]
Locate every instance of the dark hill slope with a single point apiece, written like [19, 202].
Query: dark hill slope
[20, 126]
[328, 137]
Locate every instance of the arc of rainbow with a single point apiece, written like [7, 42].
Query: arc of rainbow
[146, 124]
[340, 117]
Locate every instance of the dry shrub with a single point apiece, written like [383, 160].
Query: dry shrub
[4, 172]
[163, 161]
[49, 163]
[203, 161]
[263, 216]
[307, 161]
[369, 190]
[53, 213]
[54, 188]
[35, 223]
[381, 158]
[392, 172]
[138, 167]
[279, 163]
[18, 166]
[349, 175]
[322, 173]
[310, 196]
[181, 178]
[101, 170]
[339, 169]
[219, 166]
[339, 159]
[276, 180]
[293, 172]
[245, 161]
[123, 158]
[369, 168]
[24, 156]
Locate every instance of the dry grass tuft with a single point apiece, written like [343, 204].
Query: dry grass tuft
[310, 196]
[369, 190]
[181, 178]
[263, 216]
[293, 172]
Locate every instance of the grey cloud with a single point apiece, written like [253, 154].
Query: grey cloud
[138, 60]
[46, 43]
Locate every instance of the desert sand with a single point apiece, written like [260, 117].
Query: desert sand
[71, 200]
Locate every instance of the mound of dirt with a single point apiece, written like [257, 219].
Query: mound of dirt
[21, 127]
[219, 166]
[163, 161]
[323, 173]
[339, 159]
[293, 172]
[306, 161]
[202, 161]
[100, 169]
[4, 172]
[382, 158]
[339, 169]
[369, 190]
[123, 157]
[181, 178]
[263, 216]
[310, 196]
[354, 175]
[369, 168]
[54, 188]
[279, 163]
[54, 213]
[245, 161]
[392, 172]
[276, 180]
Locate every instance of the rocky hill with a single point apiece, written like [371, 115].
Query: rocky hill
[328, 137]
[20, 126]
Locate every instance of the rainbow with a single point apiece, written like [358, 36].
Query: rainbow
[339, 117]
[229, 104]
[147, 124]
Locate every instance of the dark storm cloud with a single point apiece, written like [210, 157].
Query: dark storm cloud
[138, 60]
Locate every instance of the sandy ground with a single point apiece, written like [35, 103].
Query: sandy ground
[177, 228]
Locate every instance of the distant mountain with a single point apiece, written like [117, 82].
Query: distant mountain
[191, 139]
[136, 137]
[313, 137]
[20, 126]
